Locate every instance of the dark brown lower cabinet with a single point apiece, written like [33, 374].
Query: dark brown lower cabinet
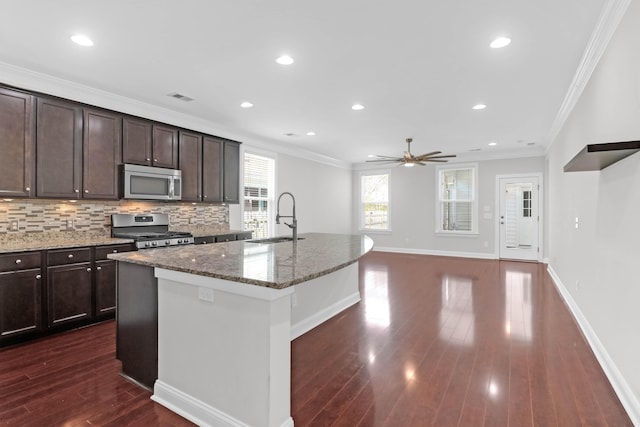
[105, 287]
[20, 303]
[69, 293]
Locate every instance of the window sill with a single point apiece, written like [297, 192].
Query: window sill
[374, 231]
[457, 233]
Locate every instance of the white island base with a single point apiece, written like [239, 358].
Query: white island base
[224, 348]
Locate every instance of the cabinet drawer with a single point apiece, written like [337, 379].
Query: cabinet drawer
[204, 239]
[244, 235]
[103, 251]
[20, 261]
[225, 238]
[68, 256]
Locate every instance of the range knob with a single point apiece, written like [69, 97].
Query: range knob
[168, 242]
[154, 243]
[147, 244]
[179, 241]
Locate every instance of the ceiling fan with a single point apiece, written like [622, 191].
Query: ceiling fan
[410, 160]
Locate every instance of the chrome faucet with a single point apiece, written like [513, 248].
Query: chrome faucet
[294, 223]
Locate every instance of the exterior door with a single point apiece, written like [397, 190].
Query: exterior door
[519, 220]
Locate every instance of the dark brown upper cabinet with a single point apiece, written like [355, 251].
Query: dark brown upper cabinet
[165, 147]
[17, 132]
[212, 167]
[149, 144]
[102, 150]
[59, 149]
[190, 155]
[136, 141]
[231, 172]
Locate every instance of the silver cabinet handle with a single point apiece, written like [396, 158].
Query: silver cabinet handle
[115, 251]
[18, 261]
[38, 277]
[148, 159]
[89, 269]
[70, 256]
[76, 191]
[27, 189]
[155, 160]
[86, 191]
[98, 268]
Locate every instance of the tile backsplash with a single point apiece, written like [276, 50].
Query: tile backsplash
[33, 216]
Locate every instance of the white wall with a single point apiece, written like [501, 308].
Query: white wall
[412, 206]
[597, 264]
[322, 192]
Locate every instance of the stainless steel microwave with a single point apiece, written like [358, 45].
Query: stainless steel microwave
[150, 183]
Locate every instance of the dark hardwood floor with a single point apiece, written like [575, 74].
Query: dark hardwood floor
[435, 341]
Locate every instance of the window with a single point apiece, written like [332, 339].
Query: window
[374, 201]
[526, 203]
[259, 190]
[456, 204]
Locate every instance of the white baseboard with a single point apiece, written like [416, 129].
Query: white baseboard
[479, 255]
[196, 410]
[322, 316]
[617, 380]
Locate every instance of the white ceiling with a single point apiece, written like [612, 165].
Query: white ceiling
[417, 66]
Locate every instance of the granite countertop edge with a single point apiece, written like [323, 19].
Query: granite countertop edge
[70, 242]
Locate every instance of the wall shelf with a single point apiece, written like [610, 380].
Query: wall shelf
[598, 156]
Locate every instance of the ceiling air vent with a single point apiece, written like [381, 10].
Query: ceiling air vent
[180, 96]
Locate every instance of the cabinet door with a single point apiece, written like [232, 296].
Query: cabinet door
[59, 149]
[69, 293]
[102, 148]
[20, 303]
[105, 287]
[136, 141]
[165, 147]
[190, 163]
[17, 166]
[231, 172]
[212, 157]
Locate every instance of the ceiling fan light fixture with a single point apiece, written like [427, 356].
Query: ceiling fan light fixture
[479, 107]
[357, 107]
[284, 60]
[409, 164]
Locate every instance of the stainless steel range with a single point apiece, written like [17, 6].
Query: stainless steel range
[148, 230]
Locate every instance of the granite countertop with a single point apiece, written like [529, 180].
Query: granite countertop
[276, 265]
[22, 242]
[205, 230]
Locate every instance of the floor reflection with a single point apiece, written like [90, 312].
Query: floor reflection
[518, 309]
[376, 297]
[456, 319]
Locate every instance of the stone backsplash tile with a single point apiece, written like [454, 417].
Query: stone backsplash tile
[37, 216]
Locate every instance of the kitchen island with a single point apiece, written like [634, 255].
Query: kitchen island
[226, 315]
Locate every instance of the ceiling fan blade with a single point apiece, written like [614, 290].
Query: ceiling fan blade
[421, 164]
[408, 156]
[435, 160]
[422, 156]
[386, 157]
[441, 157]
[390, 160]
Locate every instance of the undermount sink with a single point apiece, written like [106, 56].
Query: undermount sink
[274, 240]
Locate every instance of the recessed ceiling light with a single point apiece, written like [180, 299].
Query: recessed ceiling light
[500, 42]
[479, 107]
[311, 133]
[246, 104]
[371, 156]
[492, 144]
[284, 60]
[357, 107]
[82, 40]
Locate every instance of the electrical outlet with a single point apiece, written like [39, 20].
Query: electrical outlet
[15, 226]
[577, 223]
[205, 294]
[69, 224]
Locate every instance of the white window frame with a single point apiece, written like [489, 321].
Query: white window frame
[474, 202]
[361, 204]
[272, 209]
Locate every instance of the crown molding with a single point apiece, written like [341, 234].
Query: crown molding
[608, 22]
[39, 82]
